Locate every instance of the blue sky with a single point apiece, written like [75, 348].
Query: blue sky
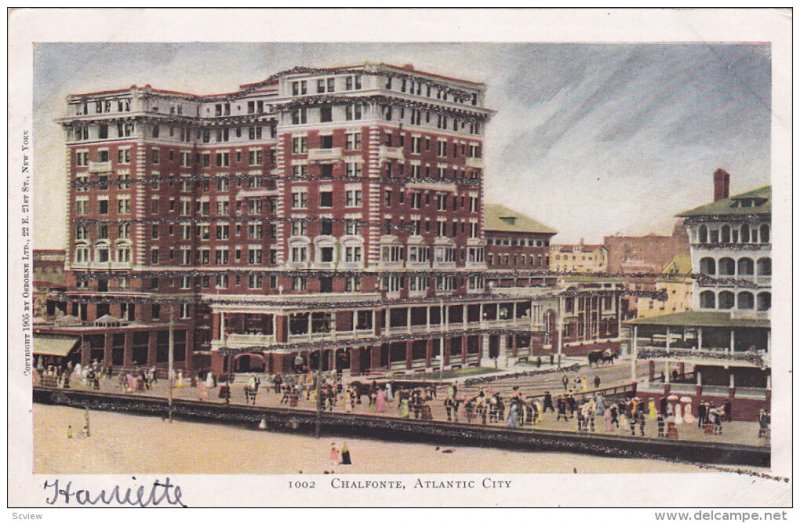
[589, 139]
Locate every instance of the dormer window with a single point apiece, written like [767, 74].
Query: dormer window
[511, 220]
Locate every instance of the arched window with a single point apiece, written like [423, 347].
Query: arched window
[725, 234]
[745, 233]
[764, 301]
[727, 267]
[726, 300]
[702, 234]
[708, 266]
[707, 300]
[745, 300]
[764, 232]
[745, 267]
[765, 266]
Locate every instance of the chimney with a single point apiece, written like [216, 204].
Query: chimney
[722, 184]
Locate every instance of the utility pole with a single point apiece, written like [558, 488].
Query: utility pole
[170, 362]
[319, 397]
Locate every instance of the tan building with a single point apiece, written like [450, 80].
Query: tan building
[578, 258]
[676, 282]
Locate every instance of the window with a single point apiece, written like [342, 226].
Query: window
[353, 141]
[415, 141]
[299, 145]
[326, 254]
[255, 157]
[352, 227]
[326, 199]
[299, 116]
[298, 283]
[299, 254]
[352, 169]
[352, 82]
[254, 281]
[707, 300]
[298, 228]
[254, 255]
[353, 112]
[326, 227]
[299, 88]
[299, 200]
[155, 156]
[102, 206]
[352, 284]
[352, 198]
[745, 301]
[325, 113]
[255, 133]
[223, 159]
[352, 254]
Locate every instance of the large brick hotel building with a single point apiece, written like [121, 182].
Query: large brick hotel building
[333, 216]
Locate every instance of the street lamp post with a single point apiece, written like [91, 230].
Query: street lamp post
[170, 362]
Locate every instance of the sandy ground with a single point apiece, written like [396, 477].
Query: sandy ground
[122, 443]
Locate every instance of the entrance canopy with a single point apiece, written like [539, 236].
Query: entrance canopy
[54, 346]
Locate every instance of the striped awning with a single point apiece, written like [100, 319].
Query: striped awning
[52, 346]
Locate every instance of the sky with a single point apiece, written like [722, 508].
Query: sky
[590, 139]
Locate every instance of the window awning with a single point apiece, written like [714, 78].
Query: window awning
[50, 346]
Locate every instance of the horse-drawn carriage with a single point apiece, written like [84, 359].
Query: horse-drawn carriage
[602, 356]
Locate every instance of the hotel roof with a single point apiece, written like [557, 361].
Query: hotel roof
[501, 218]
[756, 201]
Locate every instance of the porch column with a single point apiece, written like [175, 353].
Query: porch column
[731, 385]
[222, 325]
[445, 350]
[428, 352]
[667, 371]
[698, 387]
[733, 340]
[651, 370]
[634, 351]
[408, 320]
[151, 350]
[560, 329]
[667, 339]
[107, 349]
[699, 339]
[409, 355]
[768, 393]
[215, 324]
[514, 345]
[374, 358]
[463, 350]
[355, 361]
[428, 319]
[619, 316]
[127, 351]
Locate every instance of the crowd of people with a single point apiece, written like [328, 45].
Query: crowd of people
[590, 411]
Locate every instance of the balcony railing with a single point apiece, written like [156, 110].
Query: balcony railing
[240, 341]
[747, 359]
[322, 155]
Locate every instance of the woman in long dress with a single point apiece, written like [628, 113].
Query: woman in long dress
[346, 455]
[512, 416]
[404, 408]
[203, 391]
[389, 394]
[380, 401]
[210, 380]
[651, 407]
[348, 407]
[607, 418]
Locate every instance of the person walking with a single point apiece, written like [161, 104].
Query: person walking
[346, 455]
[334, 455]
[565, 381]
[597, 382]
[548, 401]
